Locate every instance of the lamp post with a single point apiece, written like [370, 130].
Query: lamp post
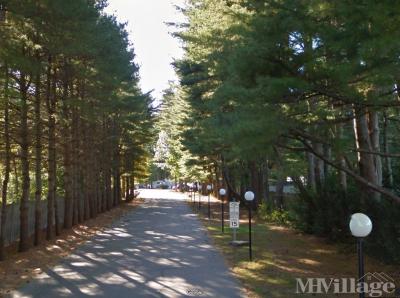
[209, 187]
[360, 227]
[249, 197]
[222, 193]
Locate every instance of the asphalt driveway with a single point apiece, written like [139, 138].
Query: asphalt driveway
[158, 250]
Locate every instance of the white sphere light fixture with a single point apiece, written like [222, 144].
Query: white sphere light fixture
[360, 225]
[209, 187]
[249, 196]
[222, 192]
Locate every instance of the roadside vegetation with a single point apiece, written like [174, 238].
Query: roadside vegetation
[300, 92]
[74, 124]
[282, 253]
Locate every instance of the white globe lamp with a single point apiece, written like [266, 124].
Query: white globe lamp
[360, 225]
[249, 196]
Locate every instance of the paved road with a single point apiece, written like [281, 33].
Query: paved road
[158, 250]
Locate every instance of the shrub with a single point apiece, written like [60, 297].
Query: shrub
[268, 213]
[327, 213]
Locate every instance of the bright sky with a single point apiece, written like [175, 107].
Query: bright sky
[155, 48]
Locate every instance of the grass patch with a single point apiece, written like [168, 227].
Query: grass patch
[282, 254]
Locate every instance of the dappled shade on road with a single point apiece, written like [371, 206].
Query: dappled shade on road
[158, 250]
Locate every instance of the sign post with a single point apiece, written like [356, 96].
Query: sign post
[234, 217]
[222, 193]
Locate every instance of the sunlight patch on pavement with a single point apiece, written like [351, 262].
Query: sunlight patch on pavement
[170, 286]
[82, 264]
[133, 275]
[73, 276]
[154, 233]
[63, 292]
[115, 253]
[91, 289]
[111, 279]
[121, 234]
[95, 257]
[166, 262]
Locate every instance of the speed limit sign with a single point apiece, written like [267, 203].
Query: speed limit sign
[234, 215]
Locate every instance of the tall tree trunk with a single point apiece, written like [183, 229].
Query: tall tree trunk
[279, 194]
[7, 164]
[342, 174]
[123, 186]
[107, 185]
[386, 149]
[281, 179]
[266, 182]
[116, 165]
[117, 176]
[87, 169]
[229, 181]
[132, 182]
[104, 169]
[80, 189]
[319, 166]
[98, 192]
[127, 188]
[109, 165]
[366, 160]
[75, 166]
[51, 158]
[328, 154]
[260, 184]
[255, 182]
[16, 176]
[24, 155]
[38, 165]
[375, 142]
[57, 215]
[311, 181]
[97, 172]
[68, 205]
[94, 182]
[56, 206]
[110, 192]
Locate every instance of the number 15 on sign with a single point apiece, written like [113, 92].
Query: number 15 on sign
[234, 215]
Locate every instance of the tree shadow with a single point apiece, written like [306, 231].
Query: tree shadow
[158, 250]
